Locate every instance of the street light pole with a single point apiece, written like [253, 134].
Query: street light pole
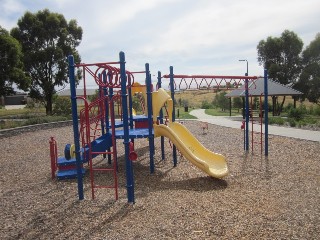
[245, 60]
[246, 133]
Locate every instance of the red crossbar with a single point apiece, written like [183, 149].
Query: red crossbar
[210, 76]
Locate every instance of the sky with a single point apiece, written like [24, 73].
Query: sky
[194, 36]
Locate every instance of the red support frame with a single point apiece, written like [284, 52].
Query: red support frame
[260, 117]
[53, 156]
[210, 81]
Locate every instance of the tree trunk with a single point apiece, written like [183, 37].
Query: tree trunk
[282, 103]
[49, 105]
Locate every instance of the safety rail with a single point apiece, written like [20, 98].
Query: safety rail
[53, 156]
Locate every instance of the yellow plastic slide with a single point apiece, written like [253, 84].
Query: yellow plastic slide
[213, 164]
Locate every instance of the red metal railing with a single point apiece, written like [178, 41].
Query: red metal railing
[53, 156]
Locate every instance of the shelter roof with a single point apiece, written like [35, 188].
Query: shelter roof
[256, 88]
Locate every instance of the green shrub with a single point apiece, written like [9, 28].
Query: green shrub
[62, 106]
[30, 104]
[316, 110]
[276, 120]
[302, 123]
[237, 102]
[303, 109]
[185, 103]
[310, 120]
[292, 122]
[94, 97]
[221, 101]
[206, 105]
[296, 113]
[10, 124]
[288, 107]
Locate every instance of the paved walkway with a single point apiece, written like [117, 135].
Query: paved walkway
[234, 122]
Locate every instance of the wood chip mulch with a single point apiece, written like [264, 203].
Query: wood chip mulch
[274, 197]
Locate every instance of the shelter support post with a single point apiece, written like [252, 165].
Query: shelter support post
[266, 131]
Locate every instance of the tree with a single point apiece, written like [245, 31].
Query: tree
[281, 57]
[237, 103]
[11, 65]
[221, 101]
[47, 39]
[309, 82]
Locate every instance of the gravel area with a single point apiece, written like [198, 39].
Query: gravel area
[262, 198]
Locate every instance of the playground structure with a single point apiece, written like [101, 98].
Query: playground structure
[99, 129]
[216, 83]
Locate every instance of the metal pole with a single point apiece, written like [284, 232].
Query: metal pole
[150, 120]
[129, 167]
[173, 113]
[161, 119]
[247, 113]
[246, 106]
[266, 130]
[75, 125]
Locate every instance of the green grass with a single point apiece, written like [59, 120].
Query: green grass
[20, 113]
[277, 120]
[31, 121]
[183, 114]
[218, 112]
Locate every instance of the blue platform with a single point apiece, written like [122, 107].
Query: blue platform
[117, 123]
[62, 161]
[101, 144]
[139, 118]
[69, 174]
[134, 133]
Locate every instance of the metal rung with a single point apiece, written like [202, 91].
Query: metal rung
[103, 169]
[101, 152]
[100, 186]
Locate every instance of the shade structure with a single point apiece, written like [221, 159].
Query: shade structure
[256, 88]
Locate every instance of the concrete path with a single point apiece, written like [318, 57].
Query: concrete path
[234, 122]
[10, 107]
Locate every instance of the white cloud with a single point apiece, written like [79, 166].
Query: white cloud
[8, 9]
[202, 36]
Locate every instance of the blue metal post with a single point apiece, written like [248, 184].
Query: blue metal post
[111, 101]
[266, 111]
[247, 113]
[107, 102]
[129, 167]
[161, 118]
[101, 94]
[130, 105]
[174, 149]
[243, 119]
[75, 125]
[111, 118]
[150, 120]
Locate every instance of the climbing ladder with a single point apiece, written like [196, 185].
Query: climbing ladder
[97, 140]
